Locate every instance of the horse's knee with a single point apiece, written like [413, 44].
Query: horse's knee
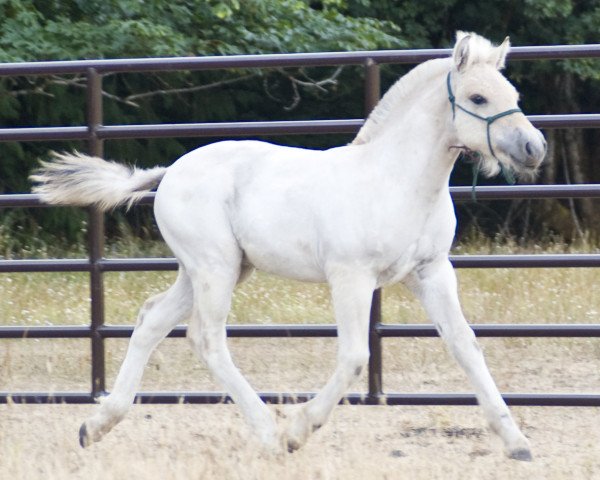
[202, 344]
[354, 362]
[194, 338]
[147, 335]
[461, 340]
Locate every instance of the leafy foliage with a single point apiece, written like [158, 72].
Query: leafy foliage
[75, 29]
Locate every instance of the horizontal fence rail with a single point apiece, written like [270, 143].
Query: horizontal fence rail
[311, 331]
[242, 129]
[95, 133]
[393, 399]
[167, 264]
[459, 194]
[324, 59]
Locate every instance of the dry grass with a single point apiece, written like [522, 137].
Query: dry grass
[360, 442]
[212, 442]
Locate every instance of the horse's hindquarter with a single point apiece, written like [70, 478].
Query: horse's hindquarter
[296, 212]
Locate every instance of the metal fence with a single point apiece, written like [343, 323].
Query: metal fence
[95, 132]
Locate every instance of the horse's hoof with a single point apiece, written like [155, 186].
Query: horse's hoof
[84, 441]
[521, 454]
[292, 446]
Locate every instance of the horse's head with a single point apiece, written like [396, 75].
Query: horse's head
[486, 116]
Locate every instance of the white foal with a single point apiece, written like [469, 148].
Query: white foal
[359, 217]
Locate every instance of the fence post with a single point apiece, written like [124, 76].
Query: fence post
[372, 96]
[96, 237]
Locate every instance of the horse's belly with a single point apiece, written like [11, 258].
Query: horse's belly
[421, 251]
[296, 263]
[394, 271]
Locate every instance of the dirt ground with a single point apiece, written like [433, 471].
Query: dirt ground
[213, 442]
[206, 442]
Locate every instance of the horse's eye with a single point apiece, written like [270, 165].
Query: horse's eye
[478, 99]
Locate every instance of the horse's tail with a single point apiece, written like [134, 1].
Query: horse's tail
[76, 179]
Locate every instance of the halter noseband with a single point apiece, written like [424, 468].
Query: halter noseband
[488, 120]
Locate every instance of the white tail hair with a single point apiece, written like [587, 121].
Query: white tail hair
[80, 180]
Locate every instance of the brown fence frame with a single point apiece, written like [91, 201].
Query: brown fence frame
[95, 132]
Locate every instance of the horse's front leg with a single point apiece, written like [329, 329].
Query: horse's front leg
[435, 285]
[351, 295]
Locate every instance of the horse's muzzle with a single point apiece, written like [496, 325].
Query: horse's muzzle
[526, 148]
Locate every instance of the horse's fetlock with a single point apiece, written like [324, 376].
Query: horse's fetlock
[114, 409]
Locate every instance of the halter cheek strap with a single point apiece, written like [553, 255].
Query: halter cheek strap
[488, 120]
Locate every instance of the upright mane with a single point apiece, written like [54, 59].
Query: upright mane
[397, 93]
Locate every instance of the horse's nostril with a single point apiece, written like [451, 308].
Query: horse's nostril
[528, 148]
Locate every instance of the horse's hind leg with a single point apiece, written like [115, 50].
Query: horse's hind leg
[435, 285]
[213, 289]
[156, 319]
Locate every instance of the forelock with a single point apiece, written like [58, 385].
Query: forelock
[481, 50]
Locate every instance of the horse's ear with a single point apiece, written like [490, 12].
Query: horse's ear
[461, 50]
[502, 51]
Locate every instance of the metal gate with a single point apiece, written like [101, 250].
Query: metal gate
[95, 132]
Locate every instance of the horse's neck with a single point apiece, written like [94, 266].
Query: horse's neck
[414, 140]
[409, 90]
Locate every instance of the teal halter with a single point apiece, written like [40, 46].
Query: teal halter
[488, 120]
